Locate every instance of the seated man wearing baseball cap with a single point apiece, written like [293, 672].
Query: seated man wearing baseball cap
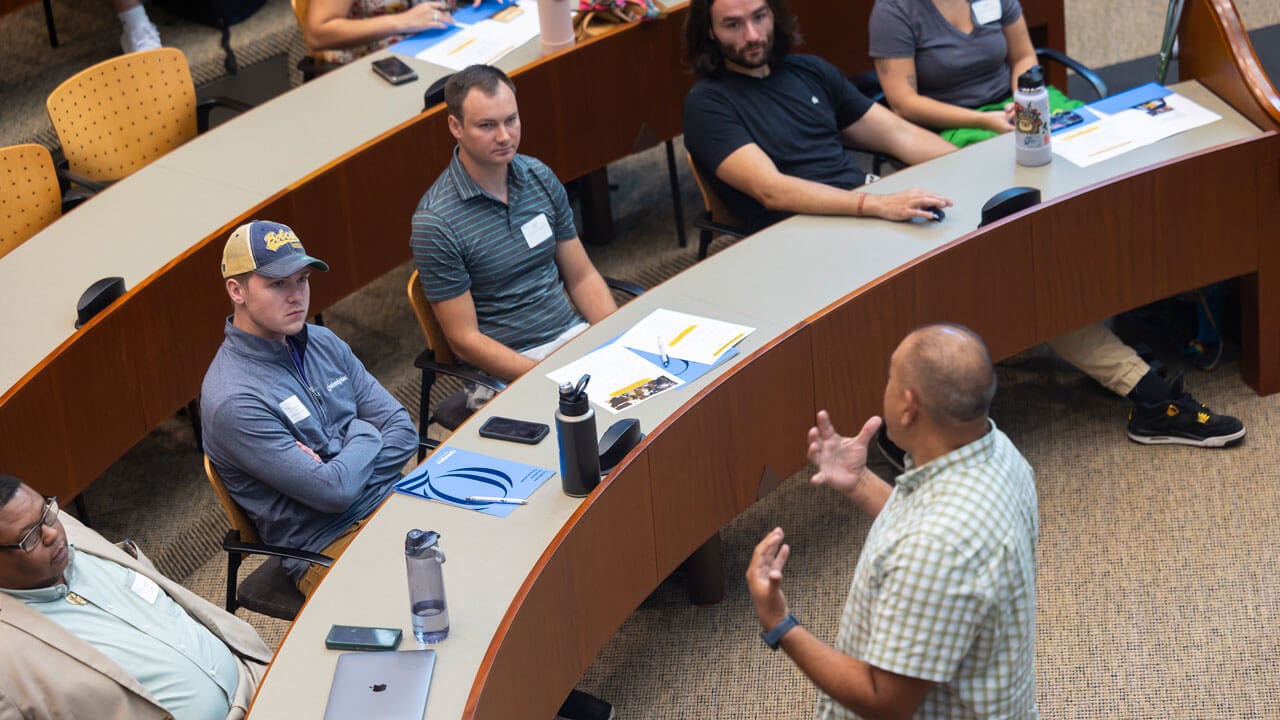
[306, 440]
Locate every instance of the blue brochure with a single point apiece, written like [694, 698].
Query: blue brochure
[1130, 98]
[686, 370]
[451, 476]
[464, 15]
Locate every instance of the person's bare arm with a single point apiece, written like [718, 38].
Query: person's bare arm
[879, 129]
[751, 171]
[457, 317]
[1022, 54]
[867, 690]
[587, 289]
[328, 27]
[898, 80]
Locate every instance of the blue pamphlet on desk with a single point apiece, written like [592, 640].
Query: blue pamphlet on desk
[463, 16]
[1129, 99]
[686, 370]
[451, 475]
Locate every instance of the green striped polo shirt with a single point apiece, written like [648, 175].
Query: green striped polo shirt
[464, 239]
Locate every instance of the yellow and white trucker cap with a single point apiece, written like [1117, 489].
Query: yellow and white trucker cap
[267, 248]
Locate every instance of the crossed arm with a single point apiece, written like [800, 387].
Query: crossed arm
[751, 171]
[898, 80]
[457, 315]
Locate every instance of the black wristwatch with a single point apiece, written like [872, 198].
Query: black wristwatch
[773, 637]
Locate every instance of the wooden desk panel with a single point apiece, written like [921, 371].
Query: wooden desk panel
[1126, 244]
[708, 460]
[592, 577]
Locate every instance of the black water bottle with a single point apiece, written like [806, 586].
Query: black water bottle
[579, 445]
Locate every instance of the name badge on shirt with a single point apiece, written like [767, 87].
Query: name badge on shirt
[294, 409]
[985, 11]
[145, 588]
[536, 231]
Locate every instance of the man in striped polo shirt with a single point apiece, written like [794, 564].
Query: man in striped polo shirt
[940, 617]
[494, 240]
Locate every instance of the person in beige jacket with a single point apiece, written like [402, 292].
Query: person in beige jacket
[76, 609]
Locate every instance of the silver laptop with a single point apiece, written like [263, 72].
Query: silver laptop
[381, 685]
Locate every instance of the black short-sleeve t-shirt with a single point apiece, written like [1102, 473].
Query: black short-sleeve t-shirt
[794, 115]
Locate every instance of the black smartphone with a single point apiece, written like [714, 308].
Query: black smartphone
[354, 637]
[394, 71]
[521, 431]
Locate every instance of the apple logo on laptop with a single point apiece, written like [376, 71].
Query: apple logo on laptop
[378, 687]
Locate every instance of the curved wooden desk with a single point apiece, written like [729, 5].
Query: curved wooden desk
[72, 402]
[534, 596]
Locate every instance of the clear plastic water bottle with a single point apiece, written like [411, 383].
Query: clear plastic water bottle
[579, 444]
[1031, 119]
[423, 559]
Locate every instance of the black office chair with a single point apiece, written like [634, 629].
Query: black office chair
[268, 589]
[438, 358]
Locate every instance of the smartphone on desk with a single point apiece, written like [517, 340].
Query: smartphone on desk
[394, 71]
[510, 429]
[355, 637]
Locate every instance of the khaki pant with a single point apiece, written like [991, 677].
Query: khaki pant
[1098, 353]
[315, 573]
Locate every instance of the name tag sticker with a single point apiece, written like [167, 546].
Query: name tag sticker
[294, 409]
[536, 231]
[986, 11]
[145, 588]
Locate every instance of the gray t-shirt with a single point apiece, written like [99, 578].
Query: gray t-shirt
[952, 67]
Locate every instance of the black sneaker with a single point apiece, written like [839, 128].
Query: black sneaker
[1181, 420]
[581, 706]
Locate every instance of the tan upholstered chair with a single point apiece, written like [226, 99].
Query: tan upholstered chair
[311, 66]
[716, 218]
[121, 114]
[29, 194]
[268, 589]
[438, 358]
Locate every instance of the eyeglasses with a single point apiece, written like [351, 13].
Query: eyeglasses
[32, 538]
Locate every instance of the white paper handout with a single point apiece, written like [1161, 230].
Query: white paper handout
[486, 41]
[684, 336]
[619, 377]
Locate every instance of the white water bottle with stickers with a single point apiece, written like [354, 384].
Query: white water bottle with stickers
[1031, 119]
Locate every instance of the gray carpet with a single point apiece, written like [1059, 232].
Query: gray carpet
[1157, 593]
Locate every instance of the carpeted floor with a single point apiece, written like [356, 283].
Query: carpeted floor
[1157, 593]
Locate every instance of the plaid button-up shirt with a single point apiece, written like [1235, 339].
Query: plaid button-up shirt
[945, 588]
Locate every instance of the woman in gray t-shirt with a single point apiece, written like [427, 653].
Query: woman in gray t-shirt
[939, 60]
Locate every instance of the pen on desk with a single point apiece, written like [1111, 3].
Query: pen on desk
[497, 500]
[662, 350]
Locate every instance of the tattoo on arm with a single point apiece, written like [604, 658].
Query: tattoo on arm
[911, 80]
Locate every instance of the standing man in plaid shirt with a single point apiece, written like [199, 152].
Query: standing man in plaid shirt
[940, 618]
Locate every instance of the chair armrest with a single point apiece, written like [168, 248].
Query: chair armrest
[67, 178]
[204, 107]
[704, 222]
[232, 543]
[1091, 77]
[426, 361]
[629, 288]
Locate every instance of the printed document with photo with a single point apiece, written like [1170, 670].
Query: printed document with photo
[619, 377]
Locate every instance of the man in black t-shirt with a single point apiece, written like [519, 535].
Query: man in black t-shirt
[767, 128]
